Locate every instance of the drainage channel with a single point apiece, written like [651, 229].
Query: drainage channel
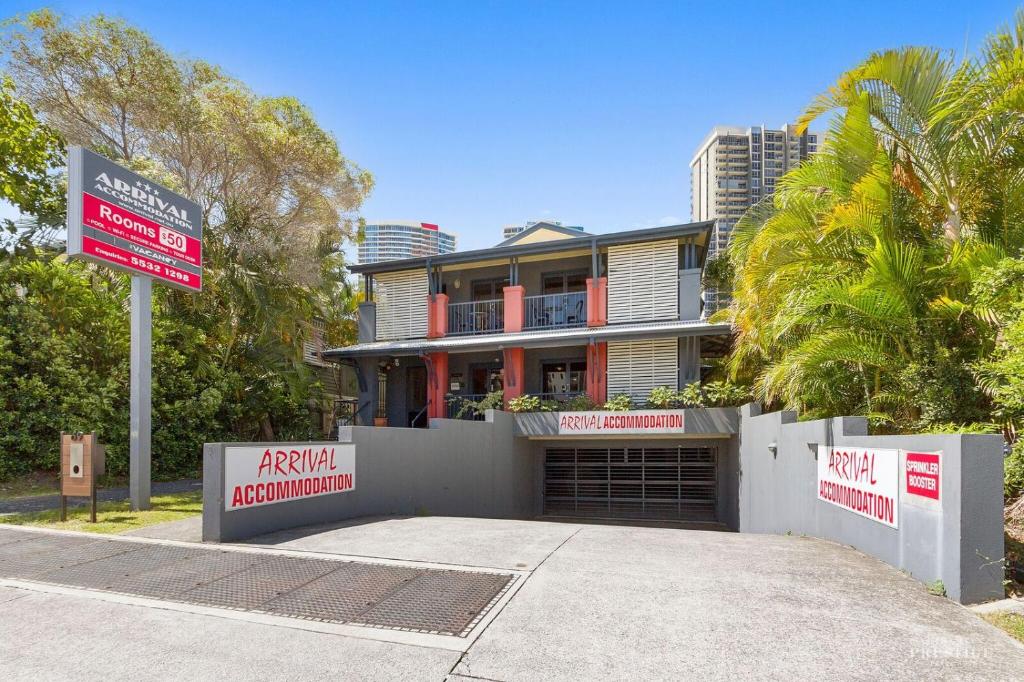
[425, 600]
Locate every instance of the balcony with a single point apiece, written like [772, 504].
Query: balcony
[555, 311]
[476, 317]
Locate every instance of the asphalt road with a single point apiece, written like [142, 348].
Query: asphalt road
[38, 503]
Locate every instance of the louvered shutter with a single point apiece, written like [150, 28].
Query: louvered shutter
[637, 367]
[401, 304]
[643, 282]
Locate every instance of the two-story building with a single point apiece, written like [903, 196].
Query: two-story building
[554, 313]
[549, 312]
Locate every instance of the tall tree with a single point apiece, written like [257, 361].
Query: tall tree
[854, 282]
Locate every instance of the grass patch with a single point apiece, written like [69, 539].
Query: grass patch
[115, 517]
[38, 483]
[1011, 623]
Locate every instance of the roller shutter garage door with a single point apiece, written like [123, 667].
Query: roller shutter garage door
[643, 482]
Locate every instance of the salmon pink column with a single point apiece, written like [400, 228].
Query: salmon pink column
[597, 372]
[437, 315]
[597, 301]
[514, 308]
[437, 383]
[514, 378]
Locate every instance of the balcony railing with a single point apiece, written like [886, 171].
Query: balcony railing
[460, 406]
[476, 317]
[556, 310]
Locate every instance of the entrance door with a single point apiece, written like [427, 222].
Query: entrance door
[486, 379]
[416, 396]
[642, 482]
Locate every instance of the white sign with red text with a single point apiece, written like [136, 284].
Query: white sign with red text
[633, 423]
[865, 481]
[258, 475]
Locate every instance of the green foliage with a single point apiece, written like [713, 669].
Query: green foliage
[579, 403]
[936, 588]
[880, 276]
[31, 153]
[711, 394]
[662, 397]
[492, 401]
[619, 403]
[278, 200]
[1013, 471]
[64, 366]
[524, 403]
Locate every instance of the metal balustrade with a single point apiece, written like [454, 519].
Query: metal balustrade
[459, 406]
[476, 317]
[554, 311]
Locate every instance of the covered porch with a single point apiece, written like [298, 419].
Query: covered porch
[407, 383]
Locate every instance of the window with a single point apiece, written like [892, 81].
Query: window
[564, 377]
[489, 289]
[564, 283]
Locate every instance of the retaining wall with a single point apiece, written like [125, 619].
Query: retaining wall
[455, 468]
[958, 541]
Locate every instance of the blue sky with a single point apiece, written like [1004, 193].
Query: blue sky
[476, 114]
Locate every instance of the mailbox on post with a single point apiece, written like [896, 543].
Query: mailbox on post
[82, 460]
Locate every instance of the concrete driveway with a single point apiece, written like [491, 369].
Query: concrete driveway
[599, 602]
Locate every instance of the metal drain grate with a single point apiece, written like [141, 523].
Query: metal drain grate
[448, 602]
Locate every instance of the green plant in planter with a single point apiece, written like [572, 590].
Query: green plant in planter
[579, 403]
[691, 395]
[620, 403]
[491, 401]
[663, 397]
[725, 394]
[524, 403]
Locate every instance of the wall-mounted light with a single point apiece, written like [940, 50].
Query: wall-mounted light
[457, 283]
[773, 448]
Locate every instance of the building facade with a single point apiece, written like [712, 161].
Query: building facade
[547, 313]
[735, 168]
[509, 231]
[402, 239]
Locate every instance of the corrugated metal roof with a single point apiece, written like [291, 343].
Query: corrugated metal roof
[546, 338]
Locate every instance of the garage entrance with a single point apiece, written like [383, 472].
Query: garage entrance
[643, 482]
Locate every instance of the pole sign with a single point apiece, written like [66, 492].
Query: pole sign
[121, 219]
[633, 423]
[865, 481]
[257, 475]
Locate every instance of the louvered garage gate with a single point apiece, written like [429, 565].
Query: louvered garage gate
[676, 482]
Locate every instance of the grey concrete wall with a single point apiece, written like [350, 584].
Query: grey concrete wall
[960, 544]
[455, 468]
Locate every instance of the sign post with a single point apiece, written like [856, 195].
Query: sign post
[140, 455]
[126, 221]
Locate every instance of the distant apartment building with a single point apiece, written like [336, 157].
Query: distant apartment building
[735, 168]
[402, 239]
[510, 231]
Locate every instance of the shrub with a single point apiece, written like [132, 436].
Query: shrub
[620, 403]
[579, 403]
[663, 397]
[524, 403]
[1013, 482]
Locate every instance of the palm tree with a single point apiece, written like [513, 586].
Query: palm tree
[852, 283]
